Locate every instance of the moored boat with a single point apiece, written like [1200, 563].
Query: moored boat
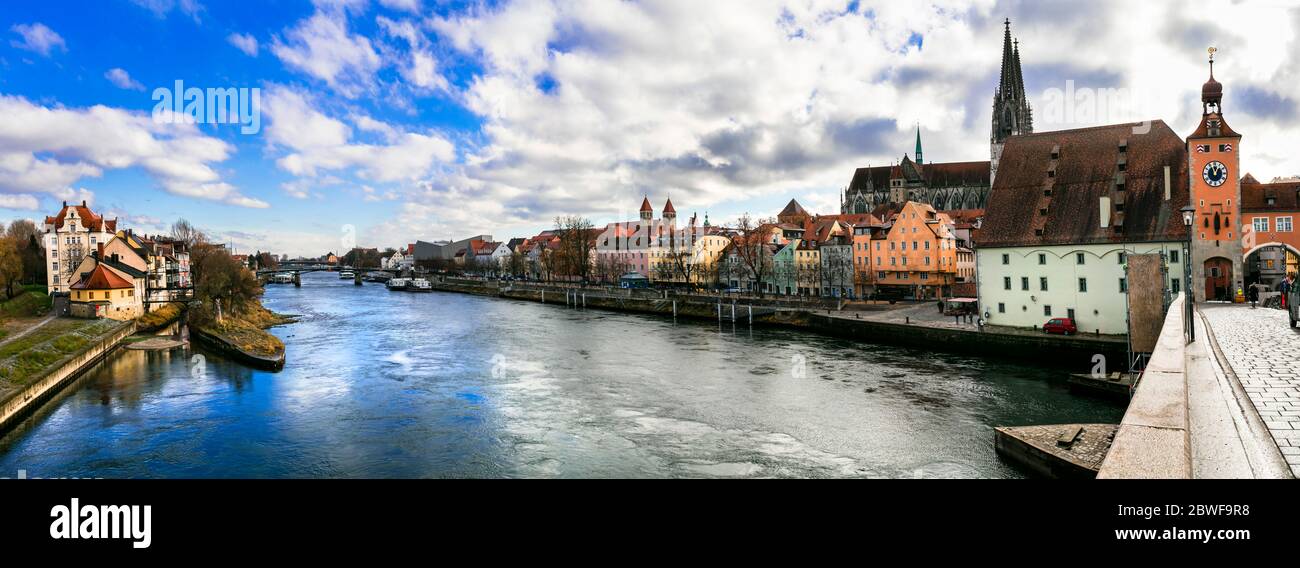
[396, 284]
[419, 285]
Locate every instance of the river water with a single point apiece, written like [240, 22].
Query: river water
[394, 384]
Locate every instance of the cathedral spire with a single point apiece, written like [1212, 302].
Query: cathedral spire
[1005, 85]
[918, 143]
[1011, 112]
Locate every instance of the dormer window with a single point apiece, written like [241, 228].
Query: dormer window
[1123, 146]
[1056, 152]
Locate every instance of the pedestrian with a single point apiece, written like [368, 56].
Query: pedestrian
[1254, 295]
[1285, 288]
[940, 304]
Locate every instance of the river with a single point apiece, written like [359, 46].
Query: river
[394, 384]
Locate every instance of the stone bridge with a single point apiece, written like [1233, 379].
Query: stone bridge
[1224, 405]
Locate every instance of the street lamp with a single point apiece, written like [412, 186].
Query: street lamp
[1189, 216]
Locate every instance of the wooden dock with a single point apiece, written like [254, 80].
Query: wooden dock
[1117, 386]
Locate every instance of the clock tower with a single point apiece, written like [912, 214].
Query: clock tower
[1216, 232]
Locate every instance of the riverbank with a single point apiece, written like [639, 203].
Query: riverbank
[1074, 352]
[244, 338]
[34, 368]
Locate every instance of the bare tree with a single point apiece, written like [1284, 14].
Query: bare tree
[574, 258]
[185, 232]
[751, 248]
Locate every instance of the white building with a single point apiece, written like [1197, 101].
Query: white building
[1066, 211]
[69, 237]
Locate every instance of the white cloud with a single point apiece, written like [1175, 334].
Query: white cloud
[421, 66]
[122, 79]
[161, 8]
[412, 6]
[244, 42]
[47, 149]
[22, 201]
[322, 47]
[37, 38]
[318, 144]
[587, 104]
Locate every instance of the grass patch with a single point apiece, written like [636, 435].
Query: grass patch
[34, 354]
[31, 301]
[159, 318]
[247, 336]
[246, 330]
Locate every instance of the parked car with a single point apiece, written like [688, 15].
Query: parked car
[1063, 326]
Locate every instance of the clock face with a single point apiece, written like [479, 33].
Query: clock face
[1215, 173]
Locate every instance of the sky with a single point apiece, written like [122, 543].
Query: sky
[381, 122]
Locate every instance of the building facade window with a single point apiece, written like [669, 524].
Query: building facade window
[1047, 311]
[1024, 283]
[1042, 258]
[1284, 224]
[1002, 308]
[1173, 256]
[1260, 224]
[1078, 258]
[1006, 259]
[1123, 285]
[1083, 284]
[1042, 283]
[1006, 282]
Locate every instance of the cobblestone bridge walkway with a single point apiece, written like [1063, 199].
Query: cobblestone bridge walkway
[1264, 353]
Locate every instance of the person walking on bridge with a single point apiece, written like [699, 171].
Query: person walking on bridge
[1285, 287]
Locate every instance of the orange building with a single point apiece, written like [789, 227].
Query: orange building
[1270, 243]
[918, 252]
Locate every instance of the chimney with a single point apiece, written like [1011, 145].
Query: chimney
[83, 202]
[100, 255]
[1105, 212]
[1166, 183]
[65, 204]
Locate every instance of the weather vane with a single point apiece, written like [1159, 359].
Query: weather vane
[1212, 51]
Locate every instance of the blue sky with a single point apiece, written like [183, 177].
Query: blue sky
[397, 120]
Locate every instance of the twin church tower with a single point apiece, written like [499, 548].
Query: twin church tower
[948, 185]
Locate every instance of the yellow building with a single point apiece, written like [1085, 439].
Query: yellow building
[105, 293]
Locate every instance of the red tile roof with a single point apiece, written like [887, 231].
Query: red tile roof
[101, 278]
[88, 218]
[645, 205]
[1255, 196]
[1085, 172]
[668, 207]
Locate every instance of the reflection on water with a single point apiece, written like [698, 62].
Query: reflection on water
[390, 384]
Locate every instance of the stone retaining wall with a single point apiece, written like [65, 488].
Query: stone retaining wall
[20, 403]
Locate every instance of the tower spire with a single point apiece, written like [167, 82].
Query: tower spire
[918, 143]
[1011, 112]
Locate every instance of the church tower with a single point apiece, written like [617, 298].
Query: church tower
[1214, 168]
[1011, 112]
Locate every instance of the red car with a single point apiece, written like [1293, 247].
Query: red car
[1063, 326]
